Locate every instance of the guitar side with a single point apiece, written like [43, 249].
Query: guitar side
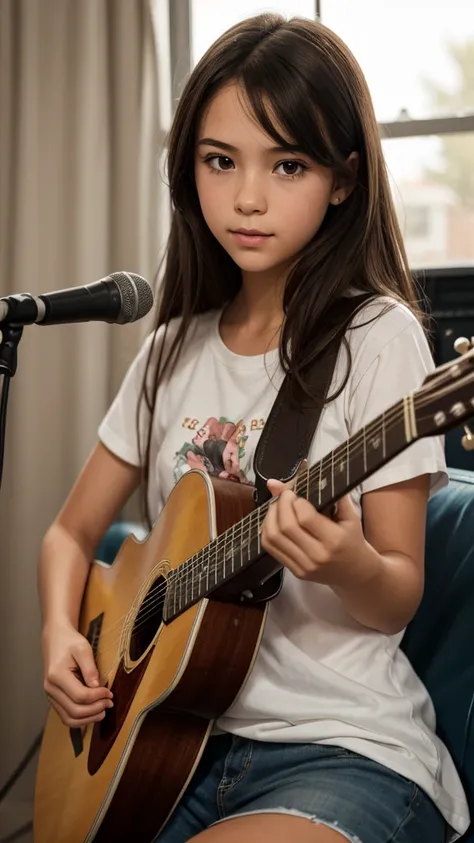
[121, 779]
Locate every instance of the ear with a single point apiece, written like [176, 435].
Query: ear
[346, 184]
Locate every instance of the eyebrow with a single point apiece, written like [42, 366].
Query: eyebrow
[229, 148]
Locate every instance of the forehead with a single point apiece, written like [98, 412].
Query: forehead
[228, 117]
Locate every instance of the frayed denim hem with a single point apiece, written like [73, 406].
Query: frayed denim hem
[293, 813]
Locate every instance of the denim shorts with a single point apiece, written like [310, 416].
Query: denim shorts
[361, 799]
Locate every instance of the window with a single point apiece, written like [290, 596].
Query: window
[417, 55]
[417, 220]
[418, 59]
[211, 19]
[433, 188]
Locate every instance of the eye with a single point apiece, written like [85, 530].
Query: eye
[219, 163]
[292, 168]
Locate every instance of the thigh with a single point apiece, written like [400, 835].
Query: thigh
[197, 809]
[346, 793]
[271, 828]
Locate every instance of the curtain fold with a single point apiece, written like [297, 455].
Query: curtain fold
[80, 194]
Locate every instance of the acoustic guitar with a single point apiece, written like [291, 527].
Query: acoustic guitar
[175, 625]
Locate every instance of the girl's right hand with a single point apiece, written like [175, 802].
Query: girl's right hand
[67, 657]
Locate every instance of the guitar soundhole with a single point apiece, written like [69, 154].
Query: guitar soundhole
[148, 620]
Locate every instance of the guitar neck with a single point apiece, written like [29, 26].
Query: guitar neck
[323, 484]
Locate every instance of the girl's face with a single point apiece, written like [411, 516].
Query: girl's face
[246, 183]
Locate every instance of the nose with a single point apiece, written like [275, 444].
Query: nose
[250, 197]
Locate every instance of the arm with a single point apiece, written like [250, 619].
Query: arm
[377, 571]
[394, 528]
[103, 487]
[379, 574]
[100, 492]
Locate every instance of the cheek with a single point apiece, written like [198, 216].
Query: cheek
[306, 213]
[207, 201]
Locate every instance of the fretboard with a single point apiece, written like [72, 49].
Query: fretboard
[323, 484]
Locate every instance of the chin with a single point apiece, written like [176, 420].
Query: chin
[254, 262]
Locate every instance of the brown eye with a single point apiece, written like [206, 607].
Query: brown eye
[291, 168]
[222, 161]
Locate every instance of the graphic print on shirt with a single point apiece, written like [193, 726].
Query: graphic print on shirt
[217, 447]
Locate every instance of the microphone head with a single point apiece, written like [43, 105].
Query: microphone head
[136, 294]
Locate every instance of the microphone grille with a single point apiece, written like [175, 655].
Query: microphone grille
[136, 293]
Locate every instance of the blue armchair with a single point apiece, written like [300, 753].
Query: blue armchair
[440, 640]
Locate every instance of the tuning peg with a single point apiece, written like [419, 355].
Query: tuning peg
[462, 345]
[468, 440]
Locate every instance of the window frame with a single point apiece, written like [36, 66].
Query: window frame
[180, 55]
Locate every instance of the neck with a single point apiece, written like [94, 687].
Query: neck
[259, 302]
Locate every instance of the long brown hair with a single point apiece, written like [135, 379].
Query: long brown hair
[300, 78]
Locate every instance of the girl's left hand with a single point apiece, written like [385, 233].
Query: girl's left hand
[314, 547]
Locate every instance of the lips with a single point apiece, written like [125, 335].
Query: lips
[251, 237]
[251, 232]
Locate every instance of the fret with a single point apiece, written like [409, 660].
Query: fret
[175, 590]
[171, 589]
[201, 571]
[339, 469]
[185, 581]
[322, 484]
[350, 463]
[187, 571]
[375, 445]
[232, 569]
[249, 536]
[208, 565]
[215, 562]
[192, 570]
[224, 551]
[182, 597]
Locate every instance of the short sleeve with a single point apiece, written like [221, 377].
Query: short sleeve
[401, 362]
[118, 430]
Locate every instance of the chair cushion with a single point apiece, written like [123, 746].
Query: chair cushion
[115, 536]
[439, 640]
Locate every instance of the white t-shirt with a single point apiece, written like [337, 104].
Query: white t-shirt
[319, 676]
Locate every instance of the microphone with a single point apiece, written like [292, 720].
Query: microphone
[120, 297]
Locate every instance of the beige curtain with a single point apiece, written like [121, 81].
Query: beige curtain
[79, 198]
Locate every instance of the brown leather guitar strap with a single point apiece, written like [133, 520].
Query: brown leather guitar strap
[289, 429]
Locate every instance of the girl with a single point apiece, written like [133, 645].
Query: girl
[281, 208]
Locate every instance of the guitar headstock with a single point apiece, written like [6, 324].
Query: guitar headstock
[446, 398]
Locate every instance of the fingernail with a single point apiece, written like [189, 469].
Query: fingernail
[95, 683]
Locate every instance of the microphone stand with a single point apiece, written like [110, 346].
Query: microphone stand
[11, 336]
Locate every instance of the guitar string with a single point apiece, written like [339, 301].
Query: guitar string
[182, 571]
[118, 659]
[154, 598]
[149, 604]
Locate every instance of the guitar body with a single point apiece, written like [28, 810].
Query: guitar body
[119, 780]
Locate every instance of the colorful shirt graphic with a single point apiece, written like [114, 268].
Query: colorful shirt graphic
[218, 448]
